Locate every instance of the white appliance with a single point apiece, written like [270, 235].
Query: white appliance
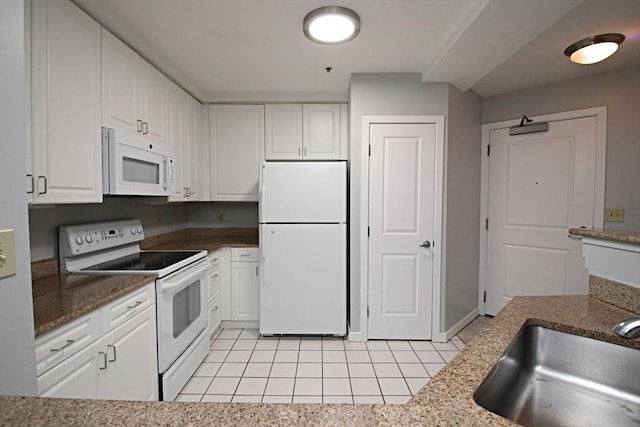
[181, 289]
[132, 165]
[303, 246]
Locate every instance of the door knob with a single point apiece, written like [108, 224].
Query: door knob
[426, 244]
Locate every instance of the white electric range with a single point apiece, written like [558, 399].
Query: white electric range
[108, 248]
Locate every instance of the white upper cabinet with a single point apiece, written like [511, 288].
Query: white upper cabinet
[283, 131]
[65, 105]
[185, 139]
[133, 91]
[304, 132]
[236, 144]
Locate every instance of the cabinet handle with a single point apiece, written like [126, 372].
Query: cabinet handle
[299, 151]
[131, 307]
[104, 359]
[44, 178]
[69, 342]
[305, 151]
[215, 308]
[32, 184]
[145, 127]
[139, 127]
[115, 357]
[215, 276]
[256, 270]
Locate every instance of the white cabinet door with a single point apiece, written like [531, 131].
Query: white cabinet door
[76, 377]
[176, 139]
[321, 126]
[66, 102]
[192, 138]
[236, 149]
[153, 102]
[283, 131]
[134, 92]
[132, 367]
[120, 87]
[245, 291]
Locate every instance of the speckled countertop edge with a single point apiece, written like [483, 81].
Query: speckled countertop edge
[613, 235]
[446, 400]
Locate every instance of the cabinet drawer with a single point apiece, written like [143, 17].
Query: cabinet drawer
[65, 341]
[213, 282]
[126, 307]
[245, 254]
[213, 317]
[214, 260]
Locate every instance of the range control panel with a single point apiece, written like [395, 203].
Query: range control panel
[87, 238]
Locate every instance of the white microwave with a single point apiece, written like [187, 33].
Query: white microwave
[132, 165]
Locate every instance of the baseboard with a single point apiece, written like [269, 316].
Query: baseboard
[355, 336]
[446, 336]
[237, 324]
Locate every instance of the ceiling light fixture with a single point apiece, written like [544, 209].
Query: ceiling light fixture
[594, 49]
[331, 25]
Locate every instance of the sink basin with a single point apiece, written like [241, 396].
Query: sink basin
[551, 378]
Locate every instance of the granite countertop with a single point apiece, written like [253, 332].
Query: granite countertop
[446, 400]
[613, 235]
[60, 298]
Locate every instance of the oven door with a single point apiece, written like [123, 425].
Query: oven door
[182, 311]
[134, 166]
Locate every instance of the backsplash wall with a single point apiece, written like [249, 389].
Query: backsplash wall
[157, 218]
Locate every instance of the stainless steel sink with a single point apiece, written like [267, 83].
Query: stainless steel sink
[551, 378]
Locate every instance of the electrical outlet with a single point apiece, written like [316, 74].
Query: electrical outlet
[614, 215]
[221, 217]
[7, 253]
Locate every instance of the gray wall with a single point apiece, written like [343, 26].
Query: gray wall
[156, 215]
[380, 94]
[17, 348]
[462, 201]
[619, 91]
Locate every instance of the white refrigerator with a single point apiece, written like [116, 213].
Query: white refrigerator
[303, 247]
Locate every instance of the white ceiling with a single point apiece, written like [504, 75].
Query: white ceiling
[254, 50]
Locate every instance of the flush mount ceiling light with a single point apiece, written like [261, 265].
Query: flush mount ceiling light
[331, 25]
[594, 49]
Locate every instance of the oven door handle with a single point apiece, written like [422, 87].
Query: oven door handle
[180, 282]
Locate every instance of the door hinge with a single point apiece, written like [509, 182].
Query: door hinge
[489, 150]
[369, 150]
[367, 311]
[486, 224]
[484, 299]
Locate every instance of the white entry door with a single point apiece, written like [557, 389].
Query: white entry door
[402, 178]
[540, 185]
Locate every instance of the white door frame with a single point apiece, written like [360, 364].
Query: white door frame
[600, 113]
[438, 217]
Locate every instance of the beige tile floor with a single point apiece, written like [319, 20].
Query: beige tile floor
[242, 366]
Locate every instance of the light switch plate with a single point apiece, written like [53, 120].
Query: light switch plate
[614, 215]
[7, 253]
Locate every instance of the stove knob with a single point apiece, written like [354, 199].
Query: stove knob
[133, 230]
[139, 229]
[88, 238]
[79, 240]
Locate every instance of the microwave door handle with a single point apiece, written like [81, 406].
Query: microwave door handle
[165, 161]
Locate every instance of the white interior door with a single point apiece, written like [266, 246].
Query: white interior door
[540, 185]
[402, 179]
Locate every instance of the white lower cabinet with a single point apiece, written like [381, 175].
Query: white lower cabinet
[214, 279]
[120, 363]
[214, 317]
[245, 284]
[76, 377]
